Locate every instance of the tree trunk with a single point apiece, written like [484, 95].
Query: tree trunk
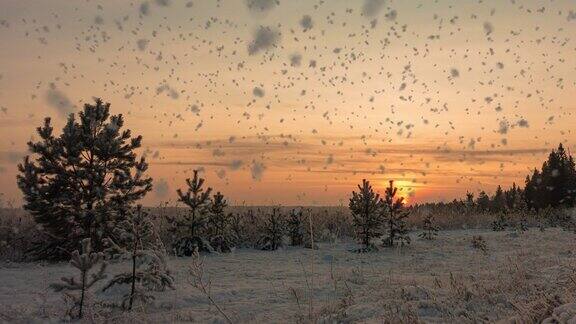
[133, 277]
[82, 293]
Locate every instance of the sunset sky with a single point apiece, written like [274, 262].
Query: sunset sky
[296, 101]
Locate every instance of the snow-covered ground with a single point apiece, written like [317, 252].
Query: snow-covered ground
[523, 277]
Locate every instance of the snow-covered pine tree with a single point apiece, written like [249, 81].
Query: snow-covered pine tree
[274, 229]
[84, 262]
[237, 227]
[190, 229]
[296, 228]
[138, 242]
[501, 222]
[75, 183]
[365, 206]
[394, 215]
[219, 223]
[244, 229]
[430, 230]
[523, 224]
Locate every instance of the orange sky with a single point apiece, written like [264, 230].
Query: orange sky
[443, 97]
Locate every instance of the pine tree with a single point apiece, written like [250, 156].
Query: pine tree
[365, 206]
[483, 202]
[296, 228]
[138, 241]
[555, 184]
[244, 229]
[501, 222]
[430, 230]
[470, 200]
[532, 190]
[498, 201]
[514, 198]
[84, 263]
[219, 222]
[190, 228]
[395, 216]
[479, 243]
[75, 184]
[274, 230]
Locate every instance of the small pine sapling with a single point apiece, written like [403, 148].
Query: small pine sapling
[296, 227]
[479, 243]
[244, 228]
[192, 225]
[238, 229]
[364, 206]
[137, 241]
[219, 224]
[274, 230]
[83, 262]
[523, 224]
[395, 216]
[430, 230]
[500, 223]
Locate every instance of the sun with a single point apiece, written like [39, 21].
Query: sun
[406, 189]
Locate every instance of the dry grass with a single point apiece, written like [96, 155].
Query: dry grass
[443, 280]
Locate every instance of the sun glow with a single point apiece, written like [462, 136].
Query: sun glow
[406, 189]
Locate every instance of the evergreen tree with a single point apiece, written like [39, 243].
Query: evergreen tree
[483, 202]
[514, 198]
[531, 190]
[500, 223]
[218, 224]
[395, 217]
[470, 200]
[555, 184]
[273, 231]
[430, 230]
[479, 243]
[138, 242]
[239, 227]
[365, 207]
[190, 228]
[498, 202]
[84, 263]
[75, 184]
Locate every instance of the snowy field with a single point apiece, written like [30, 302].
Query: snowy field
[522, 278]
